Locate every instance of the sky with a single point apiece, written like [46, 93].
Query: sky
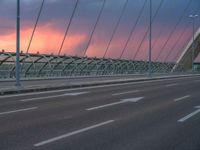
[171, 27]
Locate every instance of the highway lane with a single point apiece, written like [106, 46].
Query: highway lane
[138, 125]
[136, 84]
[21, 100]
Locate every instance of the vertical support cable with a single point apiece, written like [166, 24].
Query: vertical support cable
[35, 26]
[177, 41]
[193, 42]
[183, 46]
[116, 27]
[154, 17]
[68, 26]
[173, 30]
[156, 40]
[97, 21]
[150, 35]
[133, 29]
[17, 70]
[183, 32]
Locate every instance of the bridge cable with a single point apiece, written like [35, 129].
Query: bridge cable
[188, 40]
[156, 40]
[177, 41]
[133, 29]
[153, 19]
[175, 27]
[116, 27]
[154, 43]
[97, 21]
[35, 26]
[183, 32]
[68, 26]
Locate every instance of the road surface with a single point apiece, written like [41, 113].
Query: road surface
[148, 115]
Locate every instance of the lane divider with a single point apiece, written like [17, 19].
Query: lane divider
[182, 98]
[123, 93]
[72, 133]
[190, 115]
[19, 110]
[170, 85]
[54, 96]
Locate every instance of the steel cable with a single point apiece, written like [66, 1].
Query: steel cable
[116, 27]
[35, 26]
[68, 27]
[133, 29]
[177, 41]
[155, 15]
[97, 21]
[173, 30]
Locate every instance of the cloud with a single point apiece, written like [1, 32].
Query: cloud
[55, 17]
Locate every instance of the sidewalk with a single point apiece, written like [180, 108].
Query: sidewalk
[34, 85]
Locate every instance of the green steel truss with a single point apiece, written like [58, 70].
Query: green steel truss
[43, 65]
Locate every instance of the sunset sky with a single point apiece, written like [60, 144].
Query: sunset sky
[55, 17]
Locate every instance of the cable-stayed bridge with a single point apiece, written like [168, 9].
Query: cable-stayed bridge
[114, 75]
[62, 64]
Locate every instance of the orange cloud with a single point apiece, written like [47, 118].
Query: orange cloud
[46, 40]
[73, 43]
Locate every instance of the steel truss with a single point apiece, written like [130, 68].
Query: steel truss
[44, 65]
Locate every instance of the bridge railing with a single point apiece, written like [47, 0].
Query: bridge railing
[43, 65]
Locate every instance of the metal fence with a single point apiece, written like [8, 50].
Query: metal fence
[43, 65]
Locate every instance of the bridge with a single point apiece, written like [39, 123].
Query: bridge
[100, 75]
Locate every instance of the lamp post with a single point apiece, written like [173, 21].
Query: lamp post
[17, 67]
[150, 36]
[193, 17]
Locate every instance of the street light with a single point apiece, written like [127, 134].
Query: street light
[150, 36]
[193, 17]
[17, 65]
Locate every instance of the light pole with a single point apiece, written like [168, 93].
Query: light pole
[193, 17]
[17, 65]
[150, 36]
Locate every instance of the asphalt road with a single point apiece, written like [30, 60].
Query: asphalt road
[151, 115]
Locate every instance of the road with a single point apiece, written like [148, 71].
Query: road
[148, 115]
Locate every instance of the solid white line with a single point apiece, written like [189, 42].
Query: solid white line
[189, 116]
[93, 87]
[19, 110]
[182, 98]
[170, 85]
[106, 105]
[128, 92]
[71, 133]
[54, 96]
[40, 98]
[75, 94]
